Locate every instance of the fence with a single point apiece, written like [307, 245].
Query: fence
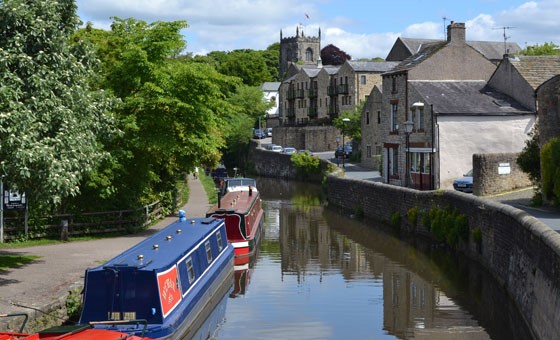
[81, 224]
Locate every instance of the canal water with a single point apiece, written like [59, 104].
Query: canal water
[322, 275]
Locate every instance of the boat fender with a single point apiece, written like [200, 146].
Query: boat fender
[182, 216]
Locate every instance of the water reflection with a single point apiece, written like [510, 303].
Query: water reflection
[321, 275]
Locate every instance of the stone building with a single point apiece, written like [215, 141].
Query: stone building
[299, 50]
[548, 111]
[440, 93]
[492, 50]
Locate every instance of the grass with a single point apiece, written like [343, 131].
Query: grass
[209, 187]
[14, 261]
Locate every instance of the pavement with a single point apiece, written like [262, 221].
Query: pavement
[62, 266]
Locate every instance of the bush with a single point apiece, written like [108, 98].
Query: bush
[412, 216]
[306, 164]
[550, 160]
[449, 225]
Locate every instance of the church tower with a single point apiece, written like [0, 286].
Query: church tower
[299, 49]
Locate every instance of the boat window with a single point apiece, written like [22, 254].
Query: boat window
[190, 270]
[219, 239]
[208, 251]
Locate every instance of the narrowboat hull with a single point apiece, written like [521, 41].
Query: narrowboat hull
[243, 214]
[173, 280]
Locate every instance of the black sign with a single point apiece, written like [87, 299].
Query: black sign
[13, 200]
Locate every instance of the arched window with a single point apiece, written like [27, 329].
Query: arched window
[309, 54]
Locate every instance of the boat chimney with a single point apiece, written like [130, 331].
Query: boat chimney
[219, 199]
[250, 190]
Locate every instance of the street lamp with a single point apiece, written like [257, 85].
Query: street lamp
[344, 121]
[408, 125]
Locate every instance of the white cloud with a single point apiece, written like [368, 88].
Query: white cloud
[255, 24]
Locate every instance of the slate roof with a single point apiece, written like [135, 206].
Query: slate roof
[415, 59]
[270, 86]
[467, 98]
[536, 69]
[493, 50]
[372, 66]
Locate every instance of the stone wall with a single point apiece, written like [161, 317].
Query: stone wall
[522, 253]
[277, 165]
[496, 173]
[314, 138]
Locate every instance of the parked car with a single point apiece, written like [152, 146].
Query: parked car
[289, 150]
[277, 148]
[268, 132]
[465, 183]
[259, 134]
[345, 151]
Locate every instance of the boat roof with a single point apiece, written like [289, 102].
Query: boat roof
[167, 246]
[235, 202]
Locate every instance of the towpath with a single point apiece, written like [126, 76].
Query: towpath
[61, 266]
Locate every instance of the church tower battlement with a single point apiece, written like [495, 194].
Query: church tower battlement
[299, 49]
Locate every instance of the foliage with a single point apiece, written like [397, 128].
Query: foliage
[529, 159]
[395, 220]
[353, 128]
[306, 164]
[248, 65]
[544, 49]
[448, 225]
[271, 57]
[209, 187]
[174, 113]
[412, 216]
[74, 304]
[51, 122]
[550, 159]
[332, 55]
[477, 235]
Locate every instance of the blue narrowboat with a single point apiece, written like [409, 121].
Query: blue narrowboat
[165, 286]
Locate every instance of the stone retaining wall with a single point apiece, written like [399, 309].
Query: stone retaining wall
[277, 165]
[496, 173]
[522, 253]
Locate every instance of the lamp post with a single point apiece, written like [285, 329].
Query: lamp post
[408, 125]
[344, 121]
[337, 145]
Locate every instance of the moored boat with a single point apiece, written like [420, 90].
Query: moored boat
[172, 280]
[241, 209]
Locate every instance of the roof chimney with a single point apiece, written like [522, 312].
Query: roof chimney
[456, 32]
[319, 63]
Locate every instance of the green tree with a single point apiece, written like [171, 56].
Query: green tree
[529, 159]
[173, 115]
[544, 49]
[550, 156]
[50, 119]
[352, 128]
[248, 65]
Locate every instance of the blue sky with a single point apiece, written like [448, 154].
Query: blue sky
[362, 28]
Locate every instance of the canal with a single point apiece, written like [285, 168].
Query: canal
[322, 275]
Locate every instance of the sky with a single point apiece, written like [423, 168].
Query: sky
[361, 28]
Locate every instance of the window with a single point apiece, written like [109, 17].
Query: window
[394, 110]
[393, 160]
[368, 151]
[309, 54]
[393, 85]
[378, 149]
[421, 119]
[363, 79]
[378, 117]
[190, 270]
[413, 119]
[367, 117]
[219, 240]
[208, 251]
